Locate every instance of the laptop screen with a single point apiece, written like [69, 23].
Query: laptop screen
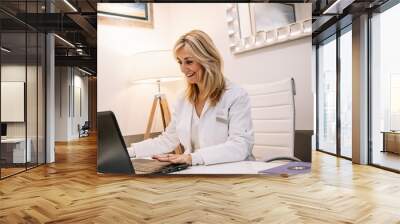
[112, 155]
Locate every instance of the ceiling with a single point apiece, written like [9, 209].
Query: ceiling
[76, 24]
[332, 15]
[76, 20]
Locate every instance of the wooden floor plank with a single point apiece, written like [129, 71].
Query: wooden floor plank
[70, 191]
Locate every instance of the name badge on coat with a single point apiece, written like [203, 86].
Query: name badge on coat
[222, 117]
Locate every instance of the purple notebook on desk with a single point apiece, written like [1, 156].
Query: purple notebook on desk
[291, 168]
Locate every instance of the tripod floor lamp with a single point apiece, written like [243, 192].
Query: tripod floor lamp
[158, 67]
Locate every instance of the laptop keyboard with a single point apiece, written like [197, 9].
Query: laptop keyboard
[172, 168]
[150, 166]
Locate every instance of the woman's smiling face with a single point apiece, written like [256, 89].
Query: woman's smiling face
[192, 70]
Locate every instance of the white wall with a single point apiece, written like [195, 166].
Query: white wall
[14, 72]
[80, 114]
[66, 121]
[117, 43]
[61, 103]
[132, 103]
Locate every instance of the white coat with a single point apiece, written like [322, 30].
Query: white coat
[225, 131]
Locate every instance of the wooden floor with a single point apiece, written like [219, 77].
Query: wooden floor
[10, 171]
[5, 172]
[70, 191]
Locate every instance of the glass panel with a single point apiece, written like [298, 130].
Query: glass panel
[22, 87]
[385, 89]
[346, 94]
[31, 100]
[394, 102]
[41, 98]
[13, 85]
[327, 96]
[31, 85]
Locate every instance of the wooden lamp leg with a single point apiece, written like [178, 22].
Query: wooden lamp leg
[165, 115]
[151, 118]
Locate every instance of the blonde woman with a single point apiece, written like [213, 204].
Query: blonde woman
[212, 121]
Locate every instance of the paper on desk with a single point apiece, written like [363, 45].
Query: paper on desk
[291, 168]
[242, 167]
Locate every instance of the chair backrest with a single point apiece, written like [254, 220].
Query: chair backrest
[273, 114]
[86, 125]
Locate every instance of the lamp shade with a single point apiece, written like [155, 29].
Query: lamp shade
[153, 66]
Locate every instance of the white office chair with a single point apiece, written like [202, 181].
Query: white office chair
[273, 112]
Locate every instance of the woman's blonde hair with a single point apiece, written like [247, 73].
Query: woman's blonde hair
[207, 55]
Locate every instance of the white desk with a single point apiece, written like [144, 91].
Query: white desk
[18, 145]
[242, 167]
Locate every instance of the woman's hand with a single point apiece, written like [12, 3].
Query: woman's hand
[174, 158]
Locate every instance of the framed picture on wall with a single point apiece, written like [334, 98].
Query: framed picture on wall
[139, 13]
[267, 16]
[256, 25]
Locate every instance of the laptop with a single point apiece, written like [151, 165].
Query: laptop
[112, 154]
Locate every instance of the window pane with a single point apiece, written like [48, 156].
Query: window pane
[394, 102]
[386, 88]
[346, 94]
[327, 97]
[41, 98]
